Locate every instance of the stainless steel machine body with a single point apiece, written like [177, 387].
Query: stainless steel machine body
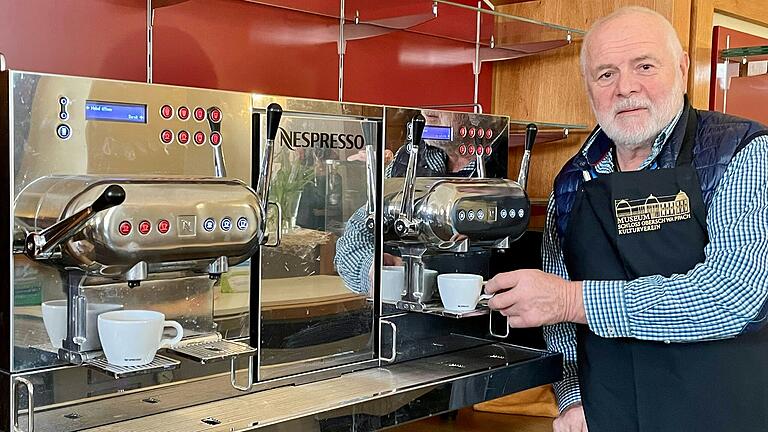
[156, 197]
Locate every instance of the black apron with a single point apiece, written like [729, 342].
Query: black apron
[628, 225]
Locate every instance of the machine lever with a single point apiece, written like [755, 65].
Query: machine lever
[405, 226]
[30, 404]
[274, 114]
[530, 137]
[369, 134]
[39, 245]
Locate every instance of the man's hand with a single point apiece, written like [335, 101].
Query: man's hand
[571, 420]
[531, 298]
[391, 260]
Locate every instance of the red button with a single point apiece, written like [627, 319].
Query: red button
[480, 132]
[471, 132]
[183, 137]
[471, 150]
[488, 150]
[163, 226]
[199, 114]
[145, 227]
[215, 138]
[462, 131]
[488, 133]
[183, 113]
[215, 115]
[166, 111]
[480, 150]
[166, 136]
[462, 149]
[199, 138]
[124, 228]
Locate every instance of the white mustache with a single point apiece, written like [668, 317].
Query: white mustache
[630, 104]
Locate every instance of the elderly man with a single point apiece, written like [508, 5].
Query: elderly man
[656, 250]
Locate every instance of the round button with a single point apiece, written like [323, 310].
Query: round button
[463, 131]
[512, 213]
[488, 133]
[462, 149]
[480, 150]
[226, 224]
[462, 215]
[63, 131]
[215, 138]
[209, 224]
[503, 213]
[63, 100]
[521, 213]
[166, 111]
[480, 132]
[488, 150]
[166, 136]
[242, 224]
[183, 137]
[471, 215]
[63, 115]
[199, 114]
[124, 228]
[471, 150]
[163, 226]
[471, 132]
[480, 214]
[183, 113]
[145, 227]
[199, 138]
[214, 114]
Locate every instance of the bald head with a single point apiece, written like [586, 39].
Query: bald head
[636, 18]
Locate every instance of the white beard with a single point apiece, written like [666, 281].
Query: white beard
[632, 133]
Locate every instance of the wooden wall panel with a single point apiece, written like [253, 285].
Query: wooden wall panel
[549, 87]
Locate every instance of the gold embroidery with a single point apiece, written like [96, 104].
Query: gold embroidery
[649, 214]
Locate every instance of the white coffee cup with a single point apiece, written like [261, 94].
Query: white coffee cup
[55, 321]
[132, 337]
[460, 292]
[393, 283]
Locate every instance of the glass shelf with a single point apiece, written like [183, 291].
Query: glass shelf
[746, 54]
[501, 36]
[548, 132]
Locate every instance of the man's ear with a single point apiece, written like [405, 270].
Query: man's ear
[685, 63]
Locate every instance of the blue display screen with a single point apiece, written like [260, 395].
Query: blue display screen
[113, 111]
[439, 133]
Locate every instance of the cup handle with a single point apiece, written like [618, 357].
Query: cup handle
[168, 343]
[484, 296]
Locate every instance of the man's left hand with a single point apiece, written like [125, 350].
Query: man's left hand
[531, 298]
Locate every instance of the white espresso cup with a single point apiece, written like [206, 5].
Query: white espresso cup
[132, 337]
[393, 283]
[55, 320]
[460, 292]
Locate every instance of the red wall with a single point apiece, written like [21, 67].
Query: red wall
[236, 45]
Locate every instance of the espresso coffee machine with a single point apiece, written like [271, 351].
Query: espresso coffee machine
[180, 200]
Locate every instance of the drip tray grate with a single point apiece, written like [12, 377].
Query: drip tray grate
[219, 350]
[159, 364]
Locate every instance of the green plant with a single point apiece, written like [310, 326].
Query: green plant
[289, 178]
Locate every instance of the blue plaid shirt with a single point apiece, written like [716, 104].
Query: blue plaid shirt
[714, 300]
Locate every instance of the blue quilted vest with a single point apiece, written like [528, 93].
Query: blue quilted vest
[718, 138]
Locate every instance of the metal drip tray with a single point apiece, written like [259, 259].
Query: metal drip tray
[207, 352]
[438, 309]
[159, 364]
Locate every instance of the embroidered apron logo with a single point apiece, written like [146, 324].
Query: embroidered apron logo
[642, 215]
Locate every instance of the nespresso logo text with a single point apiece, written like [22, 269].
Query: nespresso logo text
[304, 139]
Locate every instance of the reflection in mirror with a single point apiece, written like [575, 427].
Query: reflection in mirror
[312, 314]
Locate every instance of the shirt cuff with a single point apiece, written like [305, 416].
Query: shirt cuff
[606, 312]
[567, 392]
